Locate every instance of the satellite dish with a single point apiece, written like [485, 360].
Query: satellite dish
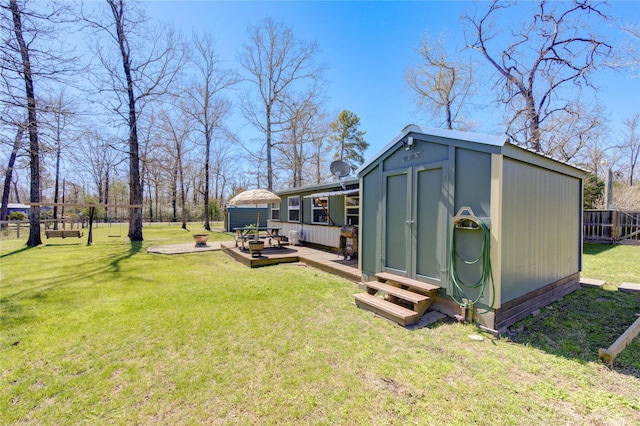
[340, 169]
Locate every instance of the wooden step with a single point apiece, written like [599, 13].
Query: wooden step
[391, 311]
[407, 282]
[397, 292]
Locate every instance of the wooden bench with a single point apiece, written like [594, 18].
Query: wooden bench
[243, 239]
[281, 240]
[71, 233]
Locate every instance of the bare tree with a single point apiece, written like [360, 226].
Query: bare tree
[555, 52]
[31, 55]
[294, 144]
[570, 133]
[100, 160]
[631, 143]
[32, 123]
[224, 169]
[627, 56]
[275, 62]
[147, 65]
[177, 129]
[6, 189]
[320, 156]
[442, 85]
[209, 107]
[57, 111]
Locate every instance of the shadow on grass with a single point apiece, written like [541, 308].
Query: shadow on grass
[12, 305]
[12, 253]
[581, 323]
[592, 248]
[135, 248]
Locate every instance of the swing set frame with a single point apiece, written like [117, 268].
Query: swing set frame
[92, 210]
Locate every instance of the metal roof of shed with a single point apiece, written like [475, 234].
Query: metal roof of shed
[489, 143]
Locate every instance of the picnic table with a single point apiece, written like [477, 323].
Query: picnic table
[248, 233]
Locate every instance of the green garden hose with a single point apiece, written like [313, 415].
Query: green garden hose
[458, 294]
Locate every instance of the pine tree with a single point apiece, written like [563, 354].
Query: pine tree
[350, 143]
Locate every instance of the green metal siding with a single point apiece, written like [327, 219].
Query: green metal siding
[397, 213]
[336, 209]
[473, 181]
[239, 217]
[540, 228]
[370, 211]
[430, 224]
[473, 190]
[305, 205]
[422, 152]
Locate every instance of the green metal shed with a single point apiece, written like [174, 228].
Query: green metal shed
[241, 216]
[528, 206]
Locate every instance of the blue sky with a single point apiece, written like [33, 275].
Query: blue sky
[367, 47]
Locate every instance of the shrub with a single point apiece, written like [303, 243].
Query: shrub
[18, 216]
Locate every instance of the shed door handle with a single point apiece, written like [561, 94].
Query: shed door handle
[409, 222]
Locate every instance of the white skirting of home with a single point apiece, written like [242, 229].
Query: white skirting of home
[317, 234]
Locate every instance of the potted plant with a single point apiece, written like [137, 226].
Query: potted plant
[201, 239]
[250, 229]
[256, 247]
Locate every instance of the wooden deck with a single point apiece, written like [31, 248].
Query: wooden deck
[329, 262]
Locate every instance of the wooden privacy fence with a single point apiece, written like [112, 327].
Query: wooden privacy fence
[611, 226]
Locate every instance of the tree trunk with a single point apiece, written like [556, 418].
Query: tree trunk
[15, 191]
[56, 188]
[6, 190]
[534, 122]
[207, 154]
[449, 116]
[182, 190]
[32, 127]
[135, 186]
[106, 196]
[269, 167]
[174, 194]
[157, 201]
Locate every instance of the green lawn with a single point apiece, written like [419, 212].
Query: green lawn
[109, 334]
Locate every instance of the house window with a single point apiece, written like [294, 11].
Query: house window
[352, 209]
[319, 210]
[275, 211]
[294, 208]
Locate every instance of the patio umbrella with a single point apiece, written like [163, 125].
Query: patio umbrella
[255, 196]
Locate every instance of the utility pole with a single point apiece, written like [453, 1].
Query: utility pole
[608, 187]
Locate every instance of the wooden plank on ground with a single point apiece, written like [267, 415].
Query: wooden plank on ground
[591, 282]
[618, 346]
[629, 288]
